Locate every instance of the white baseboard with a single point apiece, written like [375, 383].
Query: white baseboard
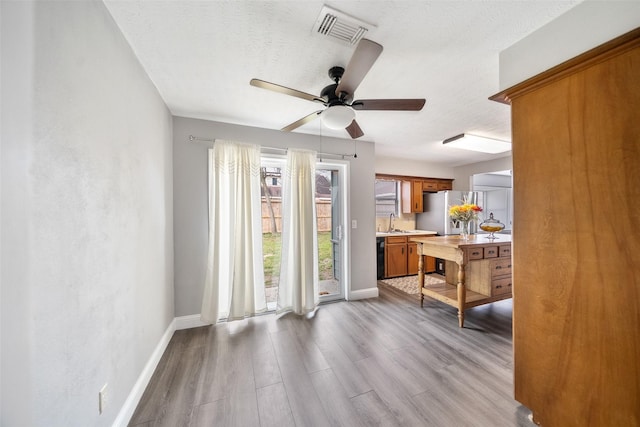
[363, 294]
[188, 322]
[126, 412]
[178, 323]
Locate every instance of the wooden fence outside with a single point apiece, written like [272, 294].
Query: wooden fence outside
[323, 212]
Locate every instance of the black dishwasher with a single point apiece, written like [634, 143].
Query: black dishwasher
[380, 256]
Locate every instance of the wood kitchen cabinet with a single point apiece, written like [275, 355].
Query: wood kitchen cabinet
[401, 257]
[576, 296]
[445, 185]
[396, 256]
[414, 259]
[412, 196]
[413, 189]
[430, 185]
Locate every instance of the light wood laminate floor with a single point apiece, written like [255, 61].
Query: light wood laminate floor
[375, 362]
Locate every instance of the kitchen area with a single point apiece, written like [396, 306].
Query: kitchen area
[416, 238]
[409, 206]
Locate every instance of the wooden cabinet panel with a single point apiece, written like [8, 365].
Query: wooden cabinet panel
[412, 196]
[430, 186]
[505, 251]
[396, 239]
[429, 264]
[412, 260]
[445, 185]
[501, 286]
[576, 307]
[396, 259]
[401, 257]
[475, 253]
[491, 252]
[416, 196]
[501, 267]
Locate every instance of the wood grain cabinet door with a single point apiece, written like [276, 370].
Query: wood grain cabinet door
[396, 259]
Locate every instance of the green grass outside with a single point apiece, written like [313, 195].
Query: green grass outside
[271, 244]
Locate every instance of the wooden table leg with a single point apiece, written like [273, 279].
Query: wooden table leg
[462, 295]
[420, 273]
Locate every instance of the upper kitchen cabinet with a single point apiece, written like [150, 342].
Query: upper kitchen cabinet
[430, 185]
[413, 188]
[434, 185]
[445, 185]
[412, 196]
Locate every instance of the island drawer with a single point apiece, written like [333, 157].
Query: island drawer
[475, 253]
[505, 250]
[501, 267]
[491, 252]
[501, 286]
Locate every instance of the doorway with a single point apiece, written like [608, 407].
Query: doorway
[331, 197]
[498, 195]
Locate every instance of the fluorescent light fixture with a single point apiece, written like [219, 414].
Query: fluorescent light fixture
[466, 141]
[338, 116]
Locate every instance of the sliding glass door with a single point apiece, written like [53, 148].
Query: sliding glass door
[331, 215]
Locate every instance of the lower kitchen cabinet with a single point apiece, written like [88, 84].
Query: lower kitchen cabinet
[396, 256]
[401, 257]
[412, 261]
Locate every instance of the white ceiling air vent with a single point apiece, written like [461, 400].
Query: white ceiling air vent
[340, 26]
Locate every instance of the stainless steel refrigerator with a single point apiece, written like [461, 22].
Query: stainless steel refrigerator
[435, 216]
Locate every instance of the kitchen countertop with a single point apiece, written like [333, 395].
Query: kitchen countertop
[456, 242]
[406, 233]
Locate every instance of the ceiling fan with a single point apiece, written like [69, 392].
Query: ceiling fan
[338, 97]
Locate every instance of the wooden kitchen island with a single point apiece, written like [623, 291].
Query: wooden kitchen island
[477, 271]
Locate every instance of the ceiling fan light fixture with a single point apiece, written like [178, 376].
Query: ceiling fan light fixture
[338, 116]
[481, 144]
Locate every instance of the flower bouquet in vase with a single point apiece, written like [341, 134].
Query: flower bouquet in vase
[464, 214]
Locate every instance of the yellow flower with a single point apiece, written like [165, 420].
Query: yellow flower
[464, 212]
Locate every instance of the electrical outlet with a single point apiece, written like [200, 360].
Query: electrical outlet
[102, 399]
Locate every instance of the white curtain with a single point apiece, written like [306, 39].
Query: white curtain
[298, 286]
[234, 284]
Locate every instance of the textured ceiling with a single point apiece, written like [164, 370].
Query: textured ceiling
[202, 54]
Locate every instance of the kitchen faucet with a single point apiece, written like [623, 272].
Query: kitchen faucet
[391, 222]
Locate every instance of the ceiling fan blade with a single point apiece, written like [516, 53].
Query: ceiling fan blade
[389, 104]
[302, 121]
[354, 130]
[285, 90]
[359, 65]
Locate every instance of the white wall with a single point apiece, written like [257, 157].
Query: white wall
[190, 201]
[463, 174]
[396, 166]
[491, 180]
[583, 27]
[87, 246]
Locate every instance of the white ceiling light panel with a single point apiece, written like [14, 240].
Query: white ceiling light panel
[481, 144]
